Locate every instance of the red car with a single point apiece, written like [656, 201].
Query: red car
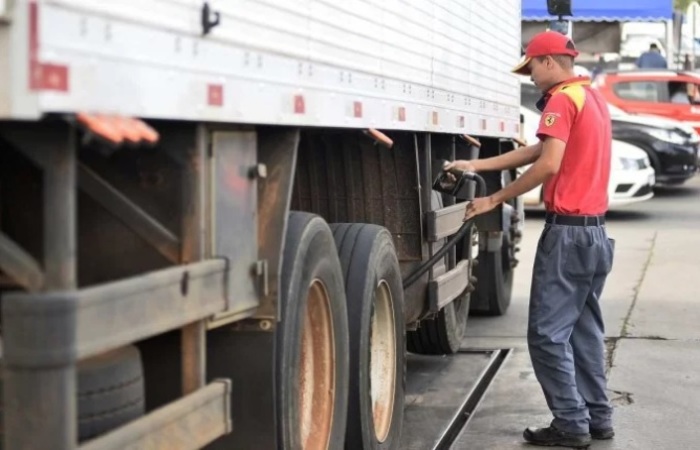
[667, 93]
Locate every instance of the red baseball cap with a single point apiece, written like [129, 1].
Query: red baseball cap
[543, 44]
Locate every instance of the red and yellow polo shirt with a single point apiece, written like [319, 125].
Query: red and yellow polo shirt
[578, 115]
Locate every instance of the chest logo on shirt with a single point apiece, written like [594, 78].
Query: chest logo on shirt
[549, 120]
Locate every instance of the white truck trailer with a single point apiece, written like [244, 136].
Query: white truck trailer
[209, 211]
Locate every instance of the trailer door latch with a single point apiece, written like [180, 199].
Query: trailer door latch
[209, 23]
[262, 272]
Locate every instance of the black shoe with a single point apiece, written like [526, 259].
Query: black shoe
[550, 437]
[602, 433]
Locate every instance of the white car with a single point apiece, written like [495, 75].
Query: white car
[631, 175]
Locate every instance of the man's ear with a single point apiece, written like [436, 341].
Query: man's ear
[551, 63]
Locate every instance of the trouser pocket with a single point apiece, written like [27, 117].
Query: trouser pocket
[582, 257]
[609, 255]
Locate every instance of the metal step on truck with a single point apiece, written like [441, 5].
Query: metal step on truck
[218, 226]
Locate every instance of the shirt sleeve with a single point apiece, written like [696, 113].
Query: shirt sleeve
[557, 118]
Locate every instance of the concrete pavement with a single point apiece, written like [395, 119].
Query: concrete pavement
[652, 313]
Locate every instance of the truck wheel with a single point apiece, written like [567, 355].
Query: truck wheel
[110, 391]
[494, 286]
[312, 339]
[442, 334]
[377, 335]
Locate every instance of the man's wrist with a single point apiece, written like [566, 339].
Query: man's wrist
[497, 198]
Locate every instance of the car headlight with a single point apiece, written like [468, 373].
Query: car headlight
[624, 164]
[694, 137]
[668, 136]
[616, 164]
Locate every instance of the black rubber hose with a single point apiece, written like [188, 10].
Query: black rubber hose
[463, 230]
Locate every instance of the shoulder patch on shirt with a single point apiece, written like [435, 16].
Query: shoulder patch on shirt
[576, 93]
[549, 119]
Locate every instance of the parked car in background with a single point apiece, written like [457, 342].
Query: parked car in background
[667, 93]
[631, 176]
[671, 145]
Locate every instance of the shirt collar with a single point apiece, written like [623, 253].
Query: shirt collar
[577, 81]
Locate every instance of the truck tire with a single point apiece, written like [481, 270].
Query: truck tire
[494, 287]
[110, 392]
[312, 339]
[375, 307]
[443, 333]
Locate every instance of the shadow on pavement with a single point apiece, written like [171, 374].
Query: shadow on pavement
[676, 191]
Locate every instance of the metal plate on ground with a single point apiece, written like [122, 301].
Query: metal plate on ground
[436, 389]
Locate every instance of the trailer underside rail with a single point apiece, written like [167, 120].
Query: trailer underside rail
[103, 317]
[189, 423]
[443, 393]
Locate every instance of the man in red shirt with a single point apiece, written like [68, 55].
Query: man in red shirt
[574, 254]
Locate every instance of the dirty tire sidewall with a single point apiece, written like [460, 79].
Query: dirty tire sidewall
[368, 257]
[110, 392]
[494, 287]
[443, 333]
[309, 253]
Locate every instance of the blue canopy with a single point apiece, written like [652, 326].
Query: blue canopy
[604, 10]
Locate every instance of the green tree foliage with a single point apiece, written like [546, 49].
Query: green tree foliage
[682, 4]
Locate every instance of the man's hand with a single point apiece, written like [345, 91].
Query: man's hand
[459, 165]
[479, 205]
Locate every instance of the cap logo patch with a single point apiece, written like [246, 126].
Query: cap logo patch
[549, 120]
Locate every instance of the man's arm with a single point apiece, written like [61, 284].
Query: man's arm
[546, 166]
[511, 160]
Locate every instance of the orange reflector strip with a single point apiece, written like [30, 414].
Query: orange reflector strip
[147, 133]
[101, 127]
[357, 109]
[117, 129]
[380, 137]
[471, 140]
[215, 95]
[402, 114]
[129, 133]
[299, 105]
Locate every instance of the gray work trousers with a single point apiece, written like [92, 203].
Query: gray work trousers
[565, 327]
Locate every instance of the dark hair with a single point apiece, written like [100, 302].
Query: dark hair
[653, 46]
[565, 61]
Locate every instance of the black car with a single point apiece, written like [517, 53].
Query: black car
[672, 146]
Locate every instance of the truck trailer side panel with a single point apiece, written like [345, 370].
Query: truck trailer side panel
[417, 65]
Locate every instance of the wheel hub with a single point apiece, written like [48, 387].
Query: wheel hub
[317, 370]
[382, 361]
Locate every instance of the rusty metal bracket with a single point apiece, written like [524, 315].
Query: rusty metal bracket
[45, 418]
[262, 272]
[277, 149]
[129, 213]
[188, 423]
[194, 229]
[19, 265]
[86, 322]
[120, 206]
[448, 286]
